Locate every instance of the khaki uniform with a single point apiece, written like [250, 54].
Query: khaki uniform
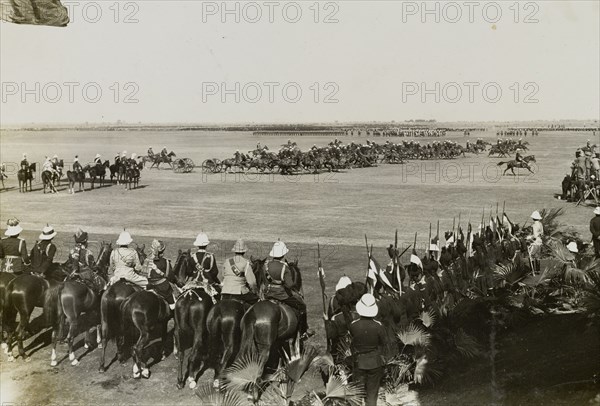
[125, 263]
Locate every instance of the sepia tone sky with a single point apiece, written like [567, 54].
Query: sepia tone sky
[185, 61]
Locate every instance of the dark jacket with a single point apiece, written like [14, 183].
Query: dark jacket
[279, 280]
[368, 342]
[13, 253]
[208, 263]
[157, 276]
[42, 256]
[595, 227]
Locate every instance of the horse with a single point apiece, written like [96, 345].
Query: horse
[117, 170]
[267, 325]
[159, 159]
[76, 296]
[110, 313]
[73, 177]
[132, 176]
[190, 314]
[224, 329]
[5, 278]
[48, 179]
[97, 171]
[23, 294]
[515, 164]
[24, 175]
[144, 311]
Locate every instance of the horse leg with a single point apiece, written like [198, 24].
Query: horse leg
[73, 326]
[163, 337]
[180, 356]
[139, 367]
[195, 363]
[104, 344]
[21, 329]
[55, 333]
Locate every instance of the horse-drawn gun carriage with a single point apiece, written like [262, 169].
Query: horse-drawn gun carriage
[183, 165]
[212, 166]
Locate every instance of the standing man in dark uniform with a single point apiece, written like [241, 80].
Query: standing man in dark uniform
[13, 249]
[595, 230]
[368, 343]
[42, 253]
[280, 284]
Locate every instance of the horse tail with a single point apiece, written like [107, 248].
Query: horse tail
[500, 163]
[8, 312]
[52, 306]
[248, 330]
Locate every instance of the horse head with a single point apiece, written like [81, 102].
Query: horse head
[183, 267]
[296, 275]
[103, 259]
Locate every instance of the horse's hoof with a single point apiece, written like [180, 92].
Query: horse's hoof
[137, 375]
[26, 359]
[192, 385]
[99, 345]
[53, 363]
[86, 346]
[102, 370]
[74, 362]
[11, 358]
[180, 385]
[164, 356]
[145, 373]
[71, 357]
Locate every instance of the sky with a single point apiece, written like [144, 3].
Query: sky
[158, 61]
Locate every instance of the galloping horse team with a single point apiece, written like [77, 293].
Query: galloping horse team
[257, 307]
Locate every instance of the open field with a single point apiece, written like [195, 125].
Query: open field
[333, 209]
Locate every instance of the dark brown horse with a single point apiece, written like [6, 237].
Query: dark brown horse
[268, 325]
[76, 177]
[97, 171]
[26, 175]
[77, 296]
[191, 312]
[5, 278]
[224, 329]
[110, 314]
[515, 164]
[144, 313]
[23, 294]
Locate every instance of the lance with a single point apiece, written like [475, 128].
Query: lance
[482, 217]
[368, 260]
[503, 207]
[429, 241]
[438, 241]
[396, 266]
[453, 225]
[322, 281]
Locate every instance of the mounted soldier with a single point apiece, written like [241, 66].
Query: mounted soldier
[24, 162]
[239, 281]
[13, 249]
[150, 152]
[125, 262]
[82, 261]
[206, 267]
[76, 165]
[164, 153]
[43, 252]
[97, 160]
[519, 156]
[157, 268]
[280, 283]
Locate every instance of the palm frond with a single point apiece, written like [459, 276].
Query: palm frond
[428, 318]
[245, 373]
[414, 335]
[336, 390]
[576, 276]
[274, 395]
[425, 372]
[560, 253]
[466, 344]
[210, 396]
[298, 363]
